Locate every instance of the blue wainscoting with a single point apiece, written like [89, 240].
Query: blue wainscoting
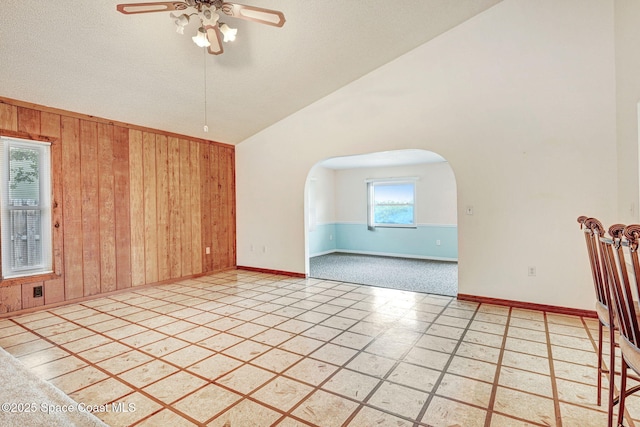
[419, 242]
[322, 239]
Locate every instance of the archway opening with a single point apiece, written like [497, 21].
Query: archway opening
[385, 219]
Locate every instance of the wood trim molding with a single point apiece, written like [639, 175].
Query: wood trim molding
[529, 306]
[25, 135]
[105, 294]
[25, 280]
[269, 271]
[73, 114]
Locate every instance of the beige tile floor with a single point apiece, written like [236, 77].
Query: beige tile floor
[243, 349]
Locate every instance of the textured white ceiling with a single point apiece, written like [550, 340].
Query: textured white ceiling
[383, 159]
[86, 57]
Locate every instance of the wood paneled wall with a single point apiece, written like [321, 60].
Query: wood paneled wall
[134, 206]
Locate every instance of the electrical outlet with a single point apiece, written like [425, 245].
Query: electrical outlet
[207, 250]
[437, 242]
[37, 292]
[531, 271]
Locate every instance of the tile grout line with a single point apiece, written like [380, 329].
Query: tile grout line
[382, 379]
[179, 368]
[277, 374]
[247, 396]
[244, 338]
[154, 357]
[163, 405]
[552, 373]
[135, 389]
[236, 293]
[344, 366]
[445, 368]
[496, 378]
[628, 416]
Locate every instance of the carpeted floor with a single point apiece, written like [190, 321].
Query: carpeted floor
[419, 275]
[30, 401]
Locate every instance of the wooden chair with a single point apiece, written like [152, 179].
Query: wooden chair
[593, 231]
[626, 308]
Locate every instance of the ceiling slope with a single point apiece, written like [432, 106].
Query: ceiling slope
[88, 58]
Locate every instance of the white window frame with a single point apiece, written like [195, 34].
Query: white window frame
[371, 184]
[44, 206]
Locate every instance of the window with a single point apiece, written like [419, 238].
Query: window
[391, 203]
[26, 207]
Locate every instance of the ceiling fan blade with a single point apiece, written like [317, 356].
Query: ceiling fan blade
[215, 38]
[162, 6]
[255, 14]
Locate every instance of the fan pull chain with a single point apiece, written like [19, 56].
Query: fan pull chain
[204, 55]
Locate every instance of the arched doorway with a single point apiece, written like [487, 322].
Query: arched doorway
[385, 219]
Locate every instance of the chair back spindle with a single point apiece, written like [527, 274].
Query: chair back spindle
[621, 285]
[632, 235]
[593, 231]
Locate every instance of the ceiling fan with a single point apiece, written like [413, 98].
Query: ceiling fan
[211, 32]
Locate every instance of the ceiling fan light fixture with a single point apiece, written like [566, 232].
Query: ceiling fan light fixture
[211, 32]
[181, 21]
[208, 17]
[201, 38]
[228, 32]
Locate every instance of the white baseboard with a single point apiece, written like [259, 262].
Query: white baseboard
[394, 255]
[330, 251]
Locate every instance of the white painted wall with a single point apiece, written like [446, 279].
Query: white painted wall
[520, 100]
[323, 194]
[435, 192]
[627, 40]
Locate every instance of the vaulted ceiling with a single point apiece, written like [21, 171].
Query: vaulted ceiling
[86, 57]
